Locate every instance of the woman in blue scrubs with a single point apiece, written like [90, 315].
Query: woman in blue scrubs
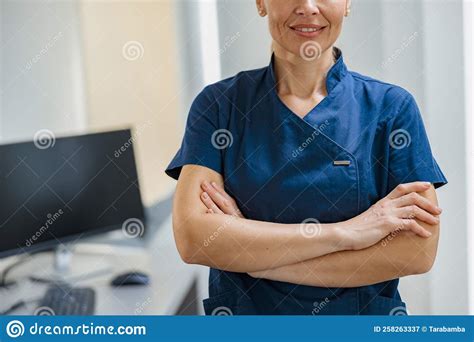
[307, 188]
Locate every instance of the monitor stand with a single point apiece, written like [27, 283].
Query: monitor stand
[64, 270]
[62, 259]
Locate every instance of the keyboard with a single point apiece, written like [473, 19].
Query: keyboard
[65, 301]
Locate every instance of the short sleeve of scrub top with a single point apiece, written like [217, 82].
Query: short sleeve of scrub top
[202, 141]
[362, 140]
[410, 156]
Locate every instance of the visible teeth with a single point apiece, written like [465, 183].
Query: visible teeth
[306, 29]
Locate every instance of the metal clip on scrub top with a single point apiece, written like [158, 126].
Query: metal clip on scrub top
[341, 162]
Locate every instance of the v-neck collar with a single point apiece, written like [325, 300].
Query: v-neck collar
[335, 75]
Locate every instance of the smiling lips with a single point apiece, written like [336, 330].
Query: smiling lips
[308, 31]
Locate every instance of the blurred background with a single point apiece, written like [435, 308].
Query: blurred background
[73, 67]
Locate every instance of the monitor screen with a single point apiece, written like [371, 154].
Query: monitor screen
[56, 190]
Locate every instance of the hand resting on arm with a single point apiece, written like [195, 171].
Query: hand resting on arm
[241, 245]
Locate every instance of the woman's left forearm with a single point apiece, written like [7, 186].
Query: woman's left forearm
[395, 256]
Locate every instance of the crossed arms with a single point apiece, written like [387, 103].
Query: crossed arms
[396, 237]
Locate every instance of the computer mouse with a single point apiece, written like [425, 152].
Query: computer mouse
[131, 278]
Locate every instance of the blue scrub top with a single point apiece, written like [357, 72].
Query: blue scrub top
[280, 167]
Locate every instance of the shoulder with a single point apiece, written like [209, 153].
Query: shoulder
[217, 99]
[243, 81]
[390, 100]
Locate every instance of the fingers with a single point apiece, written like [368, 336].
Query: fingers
[209, 203]
[221, 199]
[413, 211]
[217, 197]
[406, 188]
[418, 200]
[221, 191]
[415, 227]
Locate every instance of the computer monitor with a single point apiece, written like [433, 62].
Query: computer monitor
[59, 190]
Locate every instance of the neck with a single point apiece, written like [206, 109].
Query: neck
[297, 76]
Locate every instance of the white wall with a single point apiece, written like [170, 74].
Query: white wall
[444, 107]
[243, 36]
[41, 64]
[189, 53]
[468, 11]
[198, 47]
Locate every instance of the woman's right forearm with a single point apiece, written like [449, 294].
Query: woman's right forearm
[240, 245]
[236, 244]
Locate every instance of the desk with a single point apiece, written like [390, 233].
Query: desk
[171, 279]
